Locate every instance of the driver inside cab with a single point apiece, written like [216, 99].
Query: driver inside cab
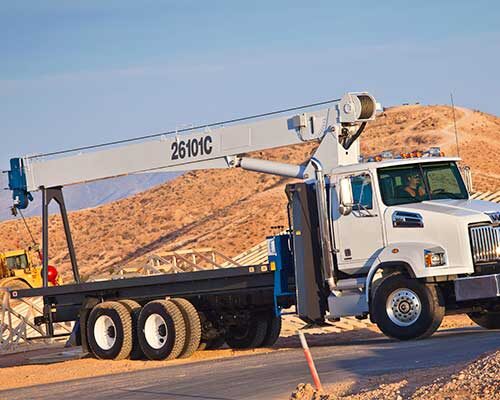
[414, 188]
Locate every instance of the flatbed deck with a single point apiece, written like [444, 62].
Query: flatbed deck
[67, 300]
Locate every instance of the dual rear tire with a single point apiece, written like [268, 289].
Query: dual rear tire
[167, 329]
[109, 331]
[161, 330]
[260, 331]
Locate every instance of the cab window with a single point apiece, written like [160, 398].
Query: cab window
[17, 262]
[362, 192]
[444, 181]
[404, 184]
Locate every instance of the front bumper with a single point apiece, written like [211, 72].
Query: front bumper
[477, 287]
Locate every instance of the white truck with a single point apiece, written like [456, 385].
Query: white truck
[407, 246]
[398, 239]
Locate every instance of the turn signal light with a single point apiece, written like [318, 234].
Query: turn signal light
[434, 259]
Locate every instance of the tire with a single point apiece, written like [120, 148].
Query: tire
[487, 320]
[109, 331]
[161, 330]
[13, 284]
[273, 331]
[248, 335]
[134, 308]
[404, 308]
[193, 327]
[212, 344]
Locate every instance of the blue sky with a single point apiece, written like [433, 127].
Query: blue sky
[83, 72]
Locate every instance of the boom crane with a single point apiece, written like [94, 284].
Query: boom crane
[206, 146]
[221, 145]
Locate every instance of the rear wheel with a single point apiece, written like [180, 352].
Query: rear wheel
[193, 327]
[161, 330]
[248, 334]
[212, 344]
[273, 331]
[134, 308]
[487, 320]
[404, 308]
[109, 331]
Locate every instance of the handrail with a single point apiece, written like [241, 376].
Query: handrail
[16, 321]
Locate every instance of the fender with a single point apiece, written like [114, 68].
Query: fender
[5, 281]
[406, 255]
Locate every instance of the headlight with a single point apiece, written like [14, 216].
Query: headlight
[434, 257]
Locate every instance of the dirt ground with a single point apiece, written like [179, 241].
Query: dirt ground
[479, 380]
[22, 369]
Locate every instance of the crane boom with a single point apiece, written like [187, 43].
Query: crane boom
[213, 146]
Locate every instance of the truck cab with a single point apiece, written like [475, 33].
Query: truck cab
[417, 212]
[409, 246]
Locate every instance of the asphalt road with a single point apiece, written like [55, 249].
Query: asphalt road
[273, 375]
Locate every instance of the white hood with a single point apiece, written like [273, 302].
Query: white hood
[459, 208]
[446, 224]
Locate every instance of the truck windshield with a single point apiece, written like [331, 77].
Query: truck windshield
[420, 182]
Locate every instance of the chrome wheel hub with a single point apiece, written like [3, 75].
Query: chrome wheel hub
[403, 307]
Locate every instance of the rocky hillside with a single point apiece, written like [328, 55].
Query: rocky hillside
[232, 210]
[88, 195]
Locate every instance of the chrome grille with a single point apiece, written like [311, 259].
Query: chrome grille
[485, 243]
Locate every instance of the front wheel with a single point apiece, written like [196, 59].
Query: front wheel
[487, 320]
[404, 308]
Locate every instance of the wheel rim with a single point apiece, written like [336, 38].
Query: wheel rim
[403, 307]
[240, 332]
[155, 331]
[105, 332]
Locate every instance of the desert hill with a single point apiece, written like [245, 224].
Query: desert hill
[88, 195]
[232, 210]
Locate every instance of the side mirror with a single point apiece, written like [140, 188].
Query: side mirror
[467, 177]
[346, 197]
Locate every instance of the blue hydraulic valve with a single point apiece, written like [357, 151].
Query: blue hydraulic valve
[18, 184]
[280, 258]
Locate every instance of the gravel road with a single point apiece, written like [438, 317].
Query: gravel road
[273, 375]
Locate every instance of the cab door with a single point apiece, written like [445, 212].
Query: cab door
[358, 235]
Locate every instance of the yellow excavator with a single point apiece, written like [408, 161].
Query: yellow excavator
[19, 271]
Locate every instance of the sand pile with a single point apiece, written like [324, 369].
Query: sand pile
[480, 380]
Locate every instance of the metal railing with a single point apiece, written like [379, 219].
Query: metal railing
[488, 196]
[17, 321]
[190, 260]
